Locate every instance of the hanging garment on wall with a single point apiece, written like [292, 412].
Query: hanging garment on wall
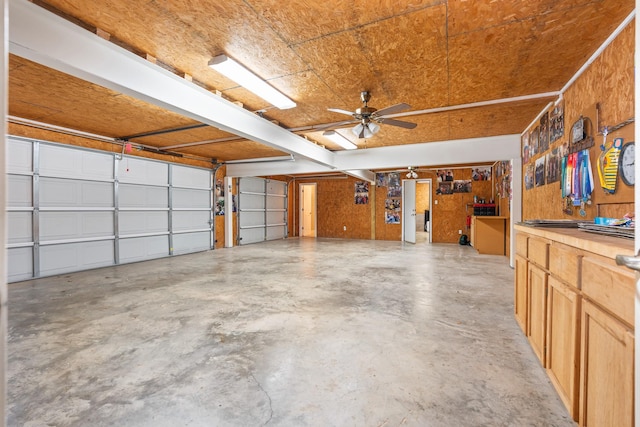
[608, 165]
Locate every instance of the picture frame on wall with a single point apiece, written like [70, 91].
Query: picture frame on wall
[525, 147]
[543, 137]
[533, 141]
[556, 122]
[540, 171]
[529, 176]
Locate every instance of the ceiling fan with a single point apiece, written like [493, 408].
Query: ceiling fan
[368, 118]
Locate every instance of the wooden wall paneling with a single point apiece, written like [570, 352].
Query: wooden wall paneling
[337, 209]
[609, 82]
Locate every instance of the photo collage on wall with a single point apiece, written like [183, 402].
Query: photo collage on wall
[361, 196]
[393, 202]
[445, 181]
[546, 168]
[503, 180]
[219, 199]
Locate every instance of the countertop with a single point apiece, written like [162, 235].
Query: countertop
[600, 244]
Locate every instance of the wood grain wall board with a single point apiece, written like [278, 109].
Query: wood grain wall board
[609, 81]
[337, 208]
[63, 100]
[465, 16]
[506, 60]
[200, 134]
[304, 20]
[500, 119]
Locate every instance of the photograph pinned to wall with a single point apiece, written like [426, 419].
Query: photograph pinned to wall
[556, 122]
[553, 166]
[462, 186]
[525, 147]
[540, 178]
[392, 211]
[528, 176]
[481, 173]
[533, 142]
[543, 138]
[381, 179]
[234, 203]
[362, 193]
[219, 192]
[445, 188]
[445, 175]
[394, 186]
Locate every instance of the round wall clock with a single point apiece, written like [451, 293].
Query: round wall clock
[627, 164]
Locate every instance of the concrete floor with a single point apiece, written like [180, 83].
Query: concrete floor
[297, 332]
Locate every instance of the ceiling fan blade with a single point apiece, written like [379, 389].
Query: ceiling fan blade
[399, 123]
[393, 109]
[338, 110]
[334, 125]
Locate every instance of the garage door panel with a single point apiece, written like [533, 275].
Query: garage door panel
[19, 191]
[183, 176]
[19, 264]
[251, 235]
[252, 185]
[251, 219]
[143, 248]
[279, 232]
[190, 220]
[276, 188]
[139, 196]
[71, 162]
[75, 225]
[19, 156]
[55, 192]
[252, 201]
[143, 222]
[190, 198]
[134, 170]
[19, 227]
[65, 258]
[276, 202]
[275, 218]
[191, 242]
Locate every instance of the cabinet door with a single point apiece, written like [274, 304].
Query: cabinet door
[563, 331]
[606, 370]
[520, 293]
[537, 311]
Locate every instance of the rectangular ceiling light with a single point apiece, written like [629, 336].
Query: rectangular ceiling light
[245, 78]
[334, 136]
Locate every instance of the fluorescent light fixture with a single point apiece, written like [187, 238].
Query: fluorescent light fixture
[245, 78]
[370, 129]
[334, 136]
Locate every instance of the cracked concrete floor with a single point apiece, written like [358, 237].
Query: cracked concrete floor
[297, 332]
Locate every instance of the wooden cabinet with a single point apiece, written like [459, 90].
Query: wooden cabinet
[579, 311]
[520, 297]
[563, 341]
[537, 311]
[488, 234]
[606, 380]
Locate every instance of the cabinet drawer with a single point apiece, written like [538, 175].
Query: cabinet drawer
[610, 286]
[564, 263]
[538, 251]
[521, 244]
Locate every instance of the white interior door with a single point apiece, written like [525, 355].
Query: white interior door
[308, 210]
[409, 210]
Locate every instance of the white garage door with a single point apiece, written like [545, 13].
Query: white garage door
[262, 210]
[71, 209]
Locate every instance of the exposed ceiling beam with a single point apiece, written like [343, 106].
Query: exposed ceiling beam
[43, 37]
[460, 151]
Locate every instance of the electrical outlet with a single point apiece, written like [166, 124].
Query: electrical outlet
[459, 231]
[344, 228]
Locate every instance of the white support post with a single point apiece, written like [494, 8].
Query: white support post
[228, 212]
[4, 77]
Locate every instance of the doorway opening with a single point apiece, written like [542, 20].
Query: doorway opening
[307, 214]
[417, 225]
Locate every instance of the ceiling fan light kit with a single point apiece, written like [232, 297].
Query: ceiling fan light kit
[369, 118]
[337, 138]
[245, 78]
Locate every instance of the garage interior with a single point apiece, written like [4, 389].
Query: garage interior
[160, 270]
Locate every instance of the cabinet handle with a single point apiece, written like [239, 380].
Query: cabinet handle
[632, 262]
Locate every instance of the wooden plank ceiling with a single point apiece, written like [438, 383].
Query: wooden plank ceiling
[427, 53]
